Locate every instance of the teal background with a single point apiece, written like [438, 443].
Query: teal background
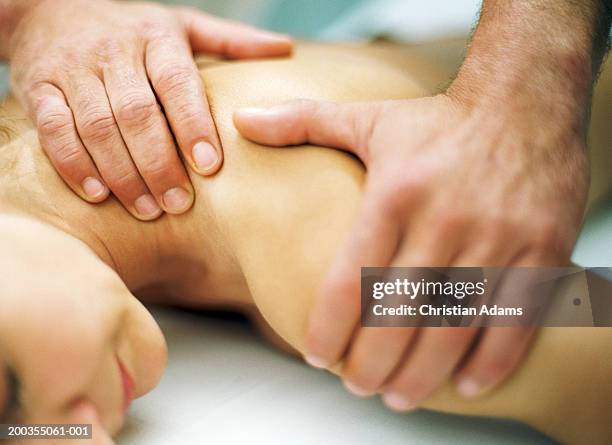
[3, 79]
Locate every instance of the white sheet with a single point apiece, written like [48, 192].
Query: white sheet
[225, 386]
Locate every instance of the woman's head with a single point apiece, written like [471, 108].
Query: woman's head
[74, 342]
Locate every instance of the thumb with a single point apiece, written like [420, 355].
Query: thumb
[344, 126]
[231, 39]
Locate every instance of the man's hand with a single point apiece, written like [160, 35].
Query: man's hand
[491, 173]
[447, 185]
[112, 86]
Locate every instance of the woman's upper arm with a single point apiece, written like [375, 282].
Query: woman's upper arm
[286, 211]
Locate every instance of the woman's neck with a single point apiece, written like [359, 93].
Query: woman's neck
[184, 257]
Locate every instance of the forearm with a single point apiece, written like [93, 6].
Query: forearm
[545, 53]
[11, 13]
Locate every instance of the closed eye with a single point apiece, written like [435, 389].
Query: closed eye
[9, 403]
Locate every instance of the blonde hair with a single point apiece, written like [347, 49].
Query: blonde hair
[7, 125]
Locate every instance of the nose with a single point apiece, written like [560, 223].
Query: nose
[143, 349]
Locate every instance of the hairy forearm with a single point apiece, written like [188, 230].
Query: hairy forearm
[545, 52]
[11, 13]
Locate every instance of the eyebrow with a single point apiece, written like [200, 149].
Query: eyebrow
[11, 402]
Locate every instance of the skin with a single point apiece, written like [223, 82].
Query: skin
[248, 243]
[519, 108]
[112, 85]
[71, 374]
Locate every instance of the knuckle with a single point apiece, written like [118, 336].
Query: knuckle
[136, 109]
[455, 339]
[498, 365]
[500, 223]
[405, 188]
[189, 113]
[156, 27]
[175, 80]
[67, 155]
[68, 159]
[365, 124]
[158, 169]
[414, 384]
[53, 122]
[97, 125]
[35, 75]
[453, 220]
[547, 237]
[417, 259]
[124, 180]
[108, 48]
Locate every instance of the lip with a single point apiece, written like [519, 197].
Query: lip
[129, 388]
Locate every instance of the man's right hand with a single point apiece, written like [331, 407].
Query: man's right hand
[112, 88]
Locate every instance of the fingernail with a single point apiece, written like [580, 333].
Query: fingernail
[469, 387]
[398, 402]
[356, 389]
[205, 156]
[93, 188]
[147, 207]
[317, 362]
[177, 200]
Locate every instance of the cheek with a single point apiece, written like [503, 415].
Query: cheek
[60, 369]
[67, 369]
[61, 362]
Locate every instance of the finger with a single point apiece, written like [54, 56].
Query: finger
[428, 366]
[373, 356]
[337, 310]
[99, 132]
[344, 126]
[376, 352]
[496, 355]
[437, 351]
[59, 139]
[147, 136]
[223, 37]
[180, 89]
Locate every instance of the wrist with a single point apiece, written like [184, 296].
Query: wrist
[529, 65]
[555, 91]
[12, 13]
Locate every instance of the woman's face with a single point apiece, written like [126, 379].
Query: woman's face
[75, 345]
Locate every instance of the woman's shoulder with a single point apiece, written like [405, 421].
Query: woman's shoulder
[348, 72]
